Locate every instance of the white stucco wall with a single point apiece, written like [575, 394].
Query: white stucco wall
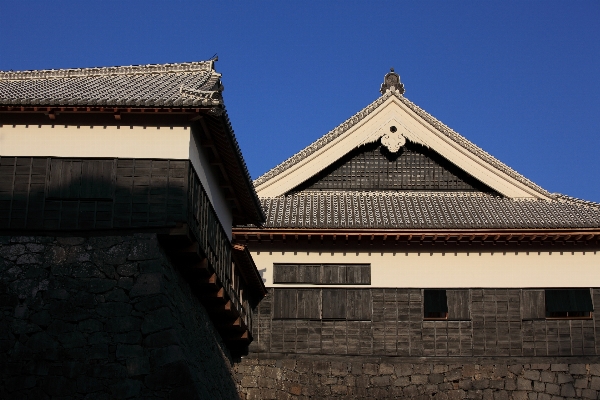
[115, 141]
[500, 269]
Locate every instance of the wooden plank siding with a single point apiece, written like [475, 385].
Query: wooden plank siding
[323, 274]
[489, 322]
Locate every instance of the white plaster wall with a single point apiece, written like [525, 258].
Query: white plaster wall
[210, 183]
[455, 270]
[115, 141]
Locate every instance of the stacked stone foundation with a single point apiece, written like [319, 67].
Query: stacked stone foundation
[323, 377]
[104, 318]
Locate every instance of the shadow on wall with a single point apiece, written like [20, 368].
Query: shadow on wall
[106, 316]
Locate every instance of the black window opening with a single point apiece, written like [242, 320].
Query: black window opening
[569, 303]
[435, 304]
[322, 274]
[446, 304]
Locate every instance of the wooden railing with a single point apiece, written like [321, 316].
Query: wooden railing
[214, 243]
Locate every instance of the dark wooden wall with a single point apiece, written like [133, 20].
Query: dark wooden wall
[414, 167]
[499, 322]
[39, 193]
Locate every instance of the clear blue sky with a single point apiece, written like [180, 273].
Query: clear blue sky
[520, 79]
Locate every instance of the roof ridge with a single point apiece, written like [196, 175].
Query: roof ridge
[440, 126]
[108, 71]
[328, 137]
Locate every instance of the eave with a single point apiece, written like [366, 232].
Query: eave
[584, 236]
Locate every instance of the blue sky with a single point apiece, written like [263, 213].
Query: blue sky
[519, 79]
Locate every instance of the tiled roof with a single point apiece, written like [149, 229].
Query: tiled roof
[158, 85]
[427, 210]
[350, 122]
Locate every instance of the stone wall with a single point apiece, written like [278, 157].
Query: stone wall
[102, 318]
[322, 377]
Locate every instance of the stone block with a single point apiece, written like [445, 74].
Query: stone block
[516, 369]
[465, 384]
[541, 367]
[370, 369]
[595, 369]
[440, 368]
[126, 389]
[436, 378]
[595, 383]
[113, 309]
[338, 368]
[123, 324]
[41, 341]
[559, 367]
[456, 394]
[544, 396]
[510, 384]
[157, 320]
[581, 383]
[138, 366]
[133, 337]
[70, 240]
[578, 369]
[402, 381]
[100, 285]
[128, 269]
[381, 381]
[548, 377]
[481, 384]
[162, 339]
[418, 379]
[552, 388]
[171, 375]
[116, 294]
[89, 326]
[524, 384]
[453, 375]
[403, 369]
[167, 355]
[539, 386]
[59, 386]
[144, 250]
[421, 368]
[520, 395]
[339, 390]
[500, 371]
[589, 394]
[125, 283]
[147, 284]
[501, 395]
[567, 390]
[532, 375]
[72, 339]
[564, 378]
[116, 255]
[88, 384]
[125, 351]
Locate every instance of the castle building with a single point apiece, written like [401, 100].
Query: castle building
[402, 261]
[118, 278]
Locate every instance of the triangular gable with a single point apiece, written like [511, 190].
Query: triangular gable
[393, 119]
[373, 167]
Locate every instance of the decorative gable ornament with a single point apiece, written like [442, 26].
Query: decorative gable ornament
[391, 82]
[393, 140]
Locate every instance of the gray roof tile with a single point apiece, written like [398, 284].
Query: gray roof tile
[425, 210]
[157, 85]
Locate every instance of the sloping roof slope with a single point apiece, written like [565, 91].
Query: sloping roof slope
[356, 118]
[158, 85]
[425, 210]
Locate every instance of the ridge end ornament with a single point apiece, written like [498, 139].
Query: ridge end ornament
[391, 81]
[393, 140]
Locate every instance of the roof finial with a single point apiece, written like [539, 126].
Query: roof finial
[391, 81]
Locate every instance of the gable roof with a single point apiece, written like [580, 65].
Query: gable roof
[514, 202]
[160, 85]
[194, 87]
[354, 123]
